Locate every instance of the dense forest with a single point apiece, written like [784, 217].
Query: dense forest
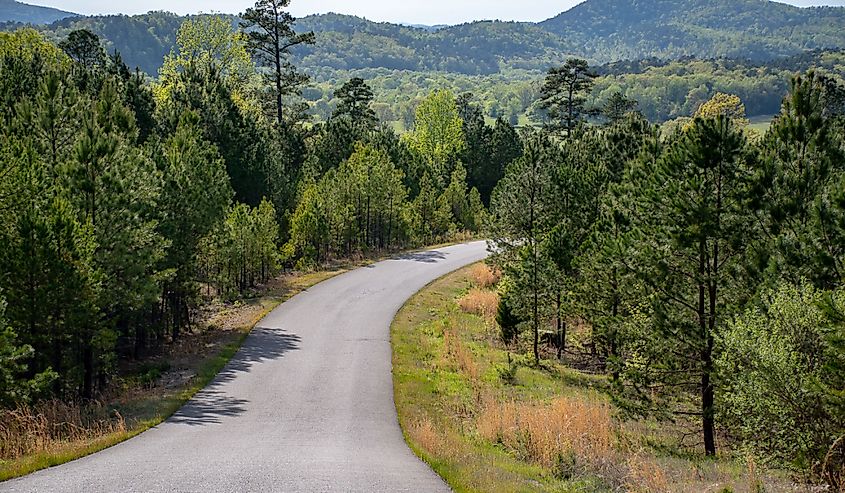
[707, 260]
[13, 11]
[665, 90]
[120, 197]
[598, 30]
[502, 63]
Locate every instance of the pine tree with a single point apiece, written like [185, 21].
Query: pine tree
[271, 36]
[521, 207]
[564, 95]
[356, 98]
[692, 226]
[800, 165]
[194, 198]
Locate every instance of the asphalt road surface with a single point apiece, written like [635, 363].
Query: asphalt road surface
[305, 406]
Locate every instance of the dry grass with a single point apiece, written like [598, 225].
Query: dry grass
[52, 433]
[53, 426]
[574, 434]
[483, 303]
[547, 429]
[483, 276]
[425, 435]
[457, 352]
[645, 476]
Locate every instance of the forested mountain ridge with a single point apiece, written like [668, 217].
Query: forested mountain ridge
[756, 29]
[12, 11]
[599, 30]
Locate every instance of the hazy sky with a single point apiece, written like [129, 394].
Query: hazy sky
[409, 11]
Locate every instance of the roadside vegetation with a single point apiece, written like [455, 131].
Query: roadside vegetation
[143, 392]
[139, 217]
[488, 419]
[665, 300]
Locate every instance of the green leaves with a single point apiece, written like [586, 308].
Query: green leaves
[438, 135]
[355, 100]
[563, 95]
[772, 359]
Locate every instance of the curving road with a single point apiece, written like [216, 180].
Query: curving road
[305, 406]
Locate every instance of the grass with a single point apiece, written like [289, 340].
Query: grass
[53, 433]
[761, 123]
[488, 420]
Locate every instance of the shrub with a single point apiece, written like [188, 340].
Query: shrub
[773, 364]
[483, 276]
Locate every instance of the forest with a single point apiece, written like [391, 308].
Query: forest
[705, 258]
[698, 54]
[121, 198]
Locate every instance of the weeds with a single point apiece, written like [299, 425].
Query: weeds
[53, 426]
[483, 303]
[483, 276]
[457, 352]
[573, 431]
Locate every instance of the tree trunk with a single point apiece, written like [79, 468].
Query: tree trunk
[561, 328]
[704, 321]
[88, 370]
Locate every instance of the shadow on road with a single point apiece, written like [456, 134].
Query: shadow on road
[427, 257]
[210, 405]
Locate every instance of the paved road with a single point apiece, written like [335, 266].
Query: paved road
[305, 406]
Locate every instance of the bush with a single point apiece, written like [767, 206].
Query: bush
[772, 366]
[507, 318]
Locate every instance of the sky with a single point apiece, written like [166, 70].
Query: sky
[402, 11]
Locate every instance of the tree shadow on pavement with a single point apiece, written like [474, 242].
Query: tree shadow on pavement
[427, 257]
[210, 405]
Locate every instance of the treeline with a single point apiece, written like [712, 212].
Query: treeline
[365, 187]
[123, 200]
[501, 62]
[707, 264]
[665, 90]
[107, 196]
[598, 30]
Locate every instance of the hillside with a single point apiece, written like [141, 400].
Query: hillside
[12, 11]
[599, 30]
[756, 29]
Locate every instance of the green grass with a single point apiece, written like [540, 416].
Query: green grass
[761, 123]
[427, 389]
[144, 410]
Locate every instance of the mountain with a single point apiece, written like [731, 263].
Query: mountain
[600, 30]
[17, 12]
[754, 29]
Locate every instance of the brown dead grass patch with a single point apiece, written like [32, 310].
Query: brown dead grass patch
[457, 352]
[52, 426]
[425, 435]
[483, 276]
[645, 475]
[483, 303]
[569, 433]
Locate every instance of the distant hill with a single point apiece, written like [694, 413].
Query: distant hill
[17, 12]
[754, 29]
[600, 30]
